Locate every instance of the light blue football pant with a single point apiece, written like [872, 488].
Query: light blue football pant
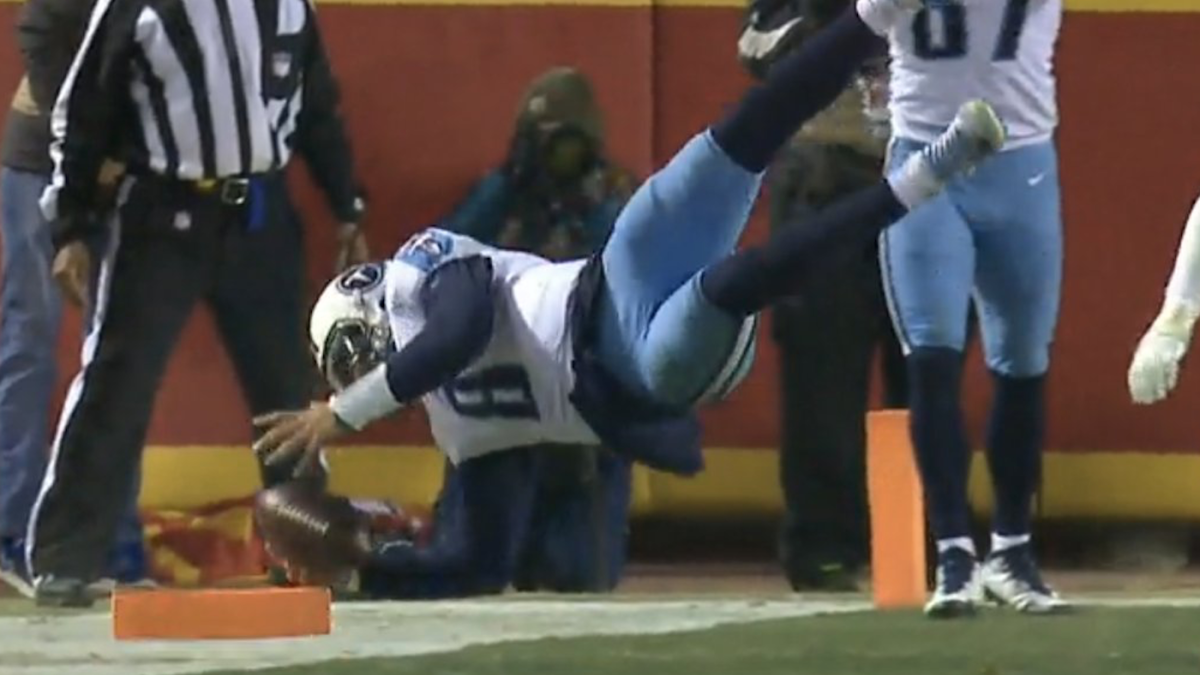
[657, 333]
[996, 233]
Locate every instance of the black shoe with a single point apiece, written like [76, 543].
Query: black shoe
[772, 29]
[12, 566]
[825, 578]
[278, 576]
[52, 591]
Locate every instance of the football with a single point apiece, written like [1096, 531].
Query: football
[312, 532]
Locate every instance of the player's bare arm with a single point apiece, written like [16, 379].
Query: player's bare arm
[1155, 367]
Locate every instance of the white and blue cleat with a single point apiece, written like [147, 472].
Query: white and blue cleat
[975, 135]
[1008, 578]
[1011, 577]
[958, 591]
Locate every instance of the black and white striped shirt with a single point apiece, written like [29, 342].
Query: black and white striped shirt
[198, 89]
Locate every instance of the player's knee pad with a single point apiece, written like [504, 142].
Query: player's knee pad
[1020, 361]
[935, 335]
[934, 354]
[706, 374]
[696, 352]
[736, 365]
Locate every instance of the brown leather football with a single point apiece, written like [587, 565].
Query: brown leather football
[313, 533]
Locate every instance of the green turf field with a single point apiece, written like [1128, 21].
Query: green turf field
[1095, 641]
[655, 635]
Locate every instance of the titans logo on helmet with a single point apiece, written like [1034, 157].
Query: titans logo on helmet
[361, 278]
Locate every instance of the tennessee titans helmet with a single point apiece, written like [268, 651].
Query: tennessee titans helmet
[349, 326]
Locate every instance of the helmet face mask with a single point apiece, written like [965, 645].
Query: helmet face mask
[349, 326]
[354, 348]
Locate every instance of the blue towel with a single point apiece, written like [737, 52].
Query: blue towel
[256, 215]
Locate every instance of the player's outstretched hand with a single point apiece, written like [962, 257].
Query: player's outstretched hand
[297, 436]
[1155, 367]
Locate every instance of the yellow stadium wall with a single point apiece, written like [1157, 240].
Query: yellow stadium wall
[430, 89]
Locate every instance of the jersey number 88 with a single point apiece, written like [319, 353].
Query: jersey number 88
[940, 31]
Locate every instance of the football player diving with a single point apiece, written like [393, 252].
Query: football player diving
[507, 349]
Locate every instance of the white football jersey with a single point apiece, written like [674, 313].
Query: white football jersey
[516, 393]
[1001, 51]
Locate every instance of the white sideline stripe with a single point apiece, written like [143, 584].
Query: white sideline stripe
[83, 644]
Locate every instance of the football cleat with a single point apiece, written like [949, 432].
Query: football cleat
[976, 134]
[772, 29]
[1011, 577]
[957, 592]
[128, 569]
[54, 591]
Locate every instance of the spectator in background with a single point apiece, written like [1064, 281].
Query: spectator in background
[30, 303]
[557, 195]
[827, 339]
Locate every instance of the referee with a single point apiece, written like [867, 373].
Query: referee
[204, 101]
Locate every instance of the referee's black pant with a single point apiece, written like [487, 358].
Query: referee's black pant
[171, 245]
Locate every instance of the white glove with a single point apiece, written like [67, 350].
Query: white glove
[1155, 367]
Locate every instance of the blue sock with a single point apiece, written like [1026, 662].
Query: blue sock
[800, 85]
[757, 276]
[1016, 432]
[940, 439]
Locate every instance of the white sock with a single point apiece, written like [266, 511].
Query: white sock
[1003, 542]
[963, 543]
[913, 183]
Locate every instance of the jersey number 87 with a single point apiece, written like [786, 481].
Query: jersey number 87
[940, 31]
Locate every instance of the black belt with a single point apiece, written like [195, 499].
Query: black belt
[231, 190]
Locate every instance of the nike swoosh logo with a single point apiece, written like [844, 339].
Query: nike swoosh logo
[1033, 182]
[756, 43]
